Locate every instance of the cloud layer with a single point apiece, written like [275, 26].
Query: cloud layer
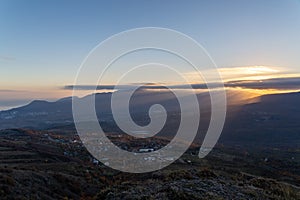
[275, 83]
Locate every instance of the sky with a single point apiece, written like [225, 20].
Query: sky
[43, 43]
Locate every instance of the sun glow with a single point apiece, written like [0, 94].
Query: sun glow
[241, 73]
[259, 70]
[249, 73]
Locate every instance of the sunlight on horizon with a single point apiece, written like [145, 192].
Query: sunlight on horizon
[256, 73]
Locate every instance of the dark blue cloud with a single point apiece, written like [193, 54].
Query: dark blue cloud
[276, 83]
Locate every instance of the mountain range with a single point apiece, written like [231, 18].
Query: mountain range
[272, 120]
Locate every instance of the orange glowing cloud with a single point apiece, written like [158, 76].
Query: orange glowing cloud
[250, 73]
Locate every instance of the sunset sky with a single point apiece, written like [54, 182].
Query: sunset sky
[43, 43]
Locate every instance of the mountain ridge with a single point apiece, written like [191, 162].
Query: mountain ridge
[270, 119]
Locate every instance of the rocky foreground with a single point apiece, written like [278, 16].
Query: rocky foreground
[47, 165]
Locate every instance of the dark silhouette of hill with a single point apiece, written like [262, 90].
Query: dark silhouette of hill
[273, 120]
